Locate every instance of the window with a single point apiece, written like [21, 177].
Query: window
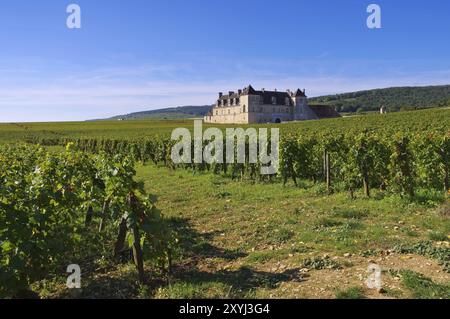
[261, 99]
[243, 109]
[274, 100]
[288, 101]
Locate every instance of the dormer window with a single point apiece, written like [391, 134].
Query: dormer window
[274, 100]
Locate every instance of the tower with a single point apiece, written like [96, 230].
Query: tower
[300, 105]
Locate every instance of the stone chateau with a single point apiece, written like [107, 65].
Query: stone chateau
[250, 106]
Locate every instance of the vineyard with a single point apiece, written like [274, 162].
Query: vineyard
[409, 122]
[71, 206]
[398, 163]
[387, 158]
[69, 197]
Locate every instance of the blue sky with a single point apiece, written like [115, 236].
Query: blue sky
[145, 54]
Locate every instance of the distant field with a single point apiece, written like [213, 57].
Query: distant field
[419, 121]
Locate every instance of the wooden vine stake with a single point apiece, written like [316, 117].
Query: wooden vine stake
[137, 254]
[120, 242]
[137, 250]
[89, 215]
[366, 183]
[101, 226]
[328, 171]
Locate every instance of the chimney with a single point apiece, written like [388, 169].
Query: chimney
[275, 90]
[304, 91]
[230, 93]
[240, 92]
[263, 90]
[220, 94]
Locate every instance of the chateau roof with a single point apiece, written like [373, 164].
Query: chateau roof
[267, 95]
[299, 93]
[249, 90]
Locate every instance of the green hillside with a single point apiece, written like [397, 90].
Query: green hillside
[395, 99]
[179, 112]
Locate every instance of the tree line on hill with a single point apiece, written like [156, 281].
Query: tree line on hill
[395, 99]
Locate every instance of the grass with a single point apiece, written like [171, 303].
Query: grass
[351, 293]
[437, 236]
[257, 233]
[320, 263]
[183, 290]
[428, 249]
[422, 287]
[350, 213]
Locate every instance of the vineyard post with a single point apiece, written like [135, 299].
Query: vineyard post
[137, 253]
[442, 153]
[103, 217]
[88, 218]
[118, 247]
[366, 182]
[328, 173]
[446, 180]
